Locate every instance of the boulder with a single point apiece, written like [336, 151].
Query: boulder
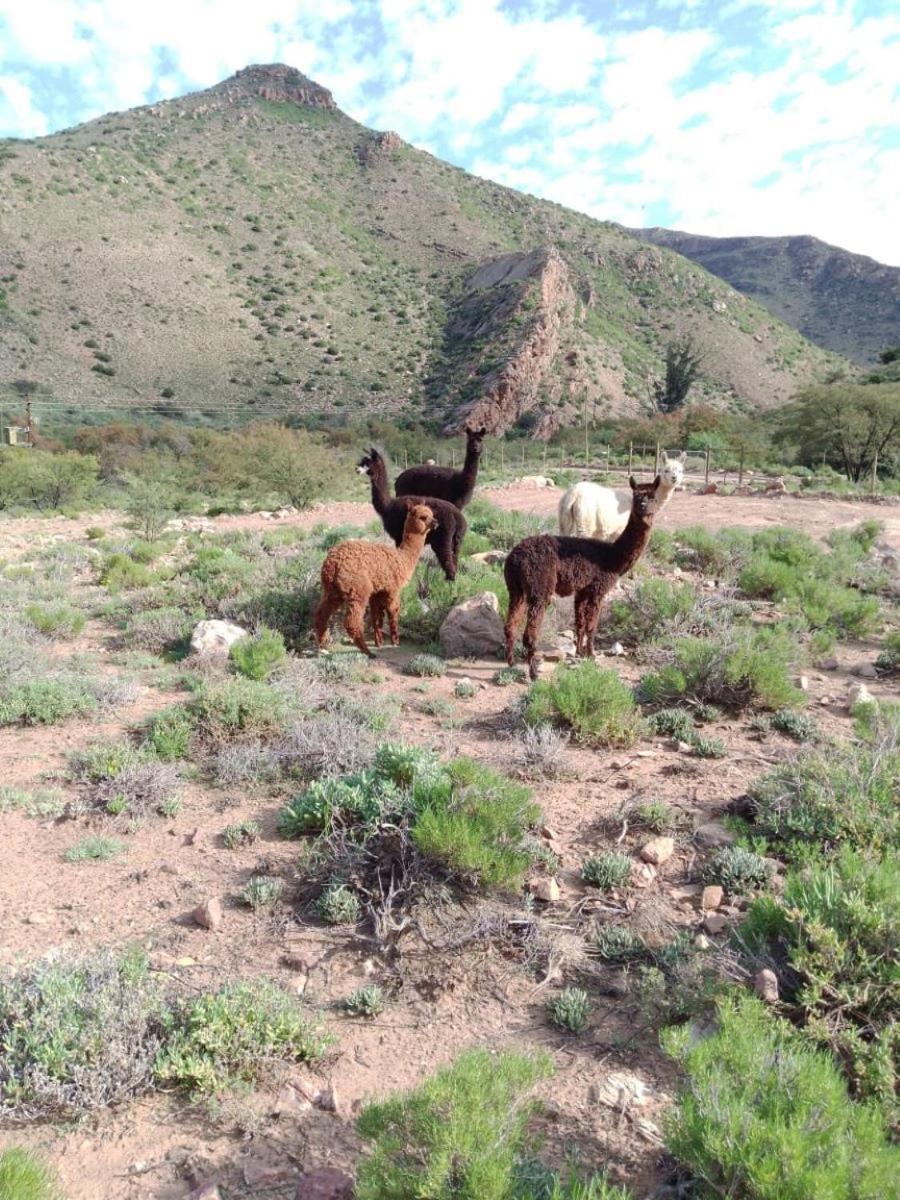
[711, 897]
[215, 637]
[536, 481]
[209, 914]
[489, 558]
[865, 670]
[546, 890]
[713, 835]
[858, 693]
[473, 628]
[765, 984]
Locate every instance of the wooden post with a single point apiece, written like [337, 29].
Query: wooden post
[607, 458]
[545, 458]
[656, 463]
[741, 469]
[875, 473]
[630, 455]
[453, 458]
[502, 455]
[405, 458]
[523, 454]
[28, 426]
[706, 473]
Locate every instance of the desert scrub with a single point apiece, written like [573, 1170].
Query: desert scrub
[656, 606]
[707, 747]
[120, 572]
[819, 802]
[242, 833]
[652, 814]
[464, 689]
[237, 708]
[366, 1001]
[426, 666]
[799, 726]
[606, 871]
[262, 891]
[507, 675]
[234, 1036]
[838, 926]
[763, 1116]
[362, 798]
[593, 702]
[123, 780]
[40, 802]
[424, 604]
[456, 1136]
[672, 722]
[720, 554]
[542, 751]
[888, 660]
[330, 743]
[339, 905]
[741, 666]
[47, 701]
[569, 1010]
[94, 849]
[257, 657]
[617, 944]
[25, 1176]
[56, 620]
[157, 630]
[737, 869]
[168, 736]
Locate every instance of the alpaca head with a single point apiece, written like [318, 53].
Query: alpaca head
[420, 519]
[368, 462]
[475, 439]
[672, 469]
[645, 498]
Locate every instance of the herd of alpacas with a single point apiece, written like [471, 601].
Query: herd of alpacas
[603, 533]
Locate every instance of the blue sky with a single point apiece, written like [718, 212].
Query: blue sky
[772, 117]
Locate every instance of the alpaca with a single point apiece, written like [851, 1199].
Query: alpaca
[361, 574]
[444, 482]
[540, 567]
[447, 535]
[589, 510]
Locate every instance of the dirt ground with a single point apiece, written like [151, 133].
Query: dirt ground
[444, 997]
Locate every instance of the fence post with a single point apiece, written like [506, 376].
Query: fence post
[545, 458]
[607, 458]
[523, 454]
[706, 475]
[875, 473]
[405, 458]
[630, 455]
[656, 463]
[453, 458]
[502, 456]
[741, 469]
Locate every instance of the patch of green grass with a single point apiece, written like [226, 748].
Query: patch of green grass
[426, 666]
[25, 1176]
[737, 869]
[507, 675]
[94, 849]
[456, 1136]
[707, 747]
[262, 891]
[339, 905]
[653, 814]
[607, 871]
[673, 723]
[41, 802]
[593, 701]
[256, 657]
[56, 620]
[169, 734]
[653, 606]
[570, 1009]
[242, 833]
[47, 701]
[763, 1116]
[617, 944]
[121, 573]
[238, 707]
[799, 726]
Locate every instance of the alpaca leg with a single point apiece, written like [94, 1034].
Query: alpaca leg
[531, 636]
[393, 612]
[353, 623]
[580, 624]
[376, 616]
[444, 553]
[513, 619]
[328, 606]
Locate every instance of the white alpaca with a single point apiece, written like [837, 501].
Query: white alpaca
[589, 510]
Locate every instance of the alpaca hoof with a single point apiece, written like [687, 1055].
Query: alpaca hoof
[533, 668]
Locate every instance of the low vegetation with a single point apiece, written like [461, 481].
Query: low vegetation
[592, 701]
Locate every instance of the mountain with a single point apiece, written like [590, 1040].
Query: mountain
[251, 250]
[843, 302]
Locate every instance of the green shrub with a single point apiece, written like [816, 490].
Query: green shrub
[94, 849]
[653, 814]
[673, 722]
[157, 629]
[94, 533]
[457, 1135]
[888, 659]
[24, 1176]
[606, 871]
[362, 798]
[707, 747]
[507, 675]
[569, 1010]
[720, 554]
[366, 1002]
[654, 605]
[744, 666]
[617, 944]
[46, 701]
[595, 702]
[464, 689]
[762, 1116]
[426, 666]
[799, 726]
[262, 891]
[242, 833]
[503, 528]
[233, 1035]
[237, 707]
[57, 620]
[120, 573]
[169, 734]
[339, 905]
[120, 779]
[661, 550]
[737, 869]
[256, 657]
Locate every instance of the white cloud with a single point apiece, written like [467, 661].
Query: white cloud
[18, 110]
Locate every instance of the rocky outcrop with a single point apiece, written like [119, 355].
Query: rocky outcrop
[378, 145]
[281, 84]
[473, 628]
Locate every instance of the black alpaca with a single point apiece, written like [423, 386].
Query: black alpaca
[444, 539]
[540, 567]
[444, 482]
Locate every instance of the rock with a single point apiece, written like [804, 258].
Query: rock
[291, 1100]
[683, 747]
[263, 1175]
[207, 1190]
[658, 850]
[489, 558]
[296, 962]
[858, 693]
[325, 1184]
[537, 481]
[215, 637]
[711, 897]
[865, 670]
[548, 832]
[473, 628]
[617, 649]
[715, 923]
[327, 1099]
[620, 1089]
[642, 874]
[209, 914]
[546, 890]
[702, 942]
[803, 683]
[38, 918]
[765, 984]
[829, 664]
[713, 835]
[616, 983]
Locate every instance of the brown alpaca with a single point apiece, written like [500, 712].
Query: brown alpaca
[540, 567]
[443, 482]
[364, 575]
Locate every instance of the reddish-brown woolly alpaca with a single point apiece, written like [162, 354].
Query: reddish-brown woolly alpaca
[370, 575]
[540, 567]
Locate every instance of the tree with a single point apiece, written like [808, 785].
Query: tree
[848, 423]
[683, 362]
[892, 354]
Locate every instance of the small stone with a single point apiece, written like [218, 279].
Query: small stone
[713, 835]
[620, 1089]
[711, 897]
[549, 833]
[803, 683]
[683, 747]
[658, 850]
[295, 962]
[291, 1100]
[702, 942]
[209, 914]
[617, 649]
[858, 693]
[765, 984]
[715, 923]
[642, 874]
[207, 1190]
[325, 1184]
[369, 967]
[546, 890]
[327, 1099]
[38, 918]
[644, 754]
[829, 664]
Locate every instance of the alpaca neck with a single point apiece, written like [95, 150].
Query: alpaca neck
[629, 545]
[470, 466]
[381, 493]
[410, 550]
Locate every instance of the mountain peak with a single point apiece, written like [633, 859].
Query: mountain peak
[277, 82]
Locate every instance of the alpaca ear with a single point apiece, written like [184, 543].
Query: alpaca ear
[682, 457]
[656, 482]
[632, 481]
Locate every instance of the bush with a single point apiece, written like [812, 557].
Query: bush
[426, 665]
[46, 701]
[655, 605]
[328, 744]
[169, 734]
[262, 891]
[595, 702]
[653, 814]
[744, 666]
[157, 629]
[338, 905]
[256, 657]
[673, 723]
[457, 1135]
[150, 504]
[94, 849]
[242, 833]
[366, 1002]
[235, 1034]
[543, 751]
[569, 1010]
[706, 747]
[606, 871]
[424, 604]
[888, 660]
[56, 620]
[617, 944]
[737, 869]
[799, 726]
[720, 554]
[121, 780]
[24, 1176]
[120, 573]
[237, 707]
[762, 1116]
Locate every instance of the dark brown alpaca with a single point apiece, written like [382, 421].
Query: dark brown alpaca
[540, 567]
[443, 482]
[444, 539]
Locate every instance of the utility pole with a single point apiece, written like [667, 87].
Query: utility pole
[587, 452]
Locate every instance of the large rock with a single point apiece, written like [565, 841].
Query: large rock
[473, 628]
[215, 637]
